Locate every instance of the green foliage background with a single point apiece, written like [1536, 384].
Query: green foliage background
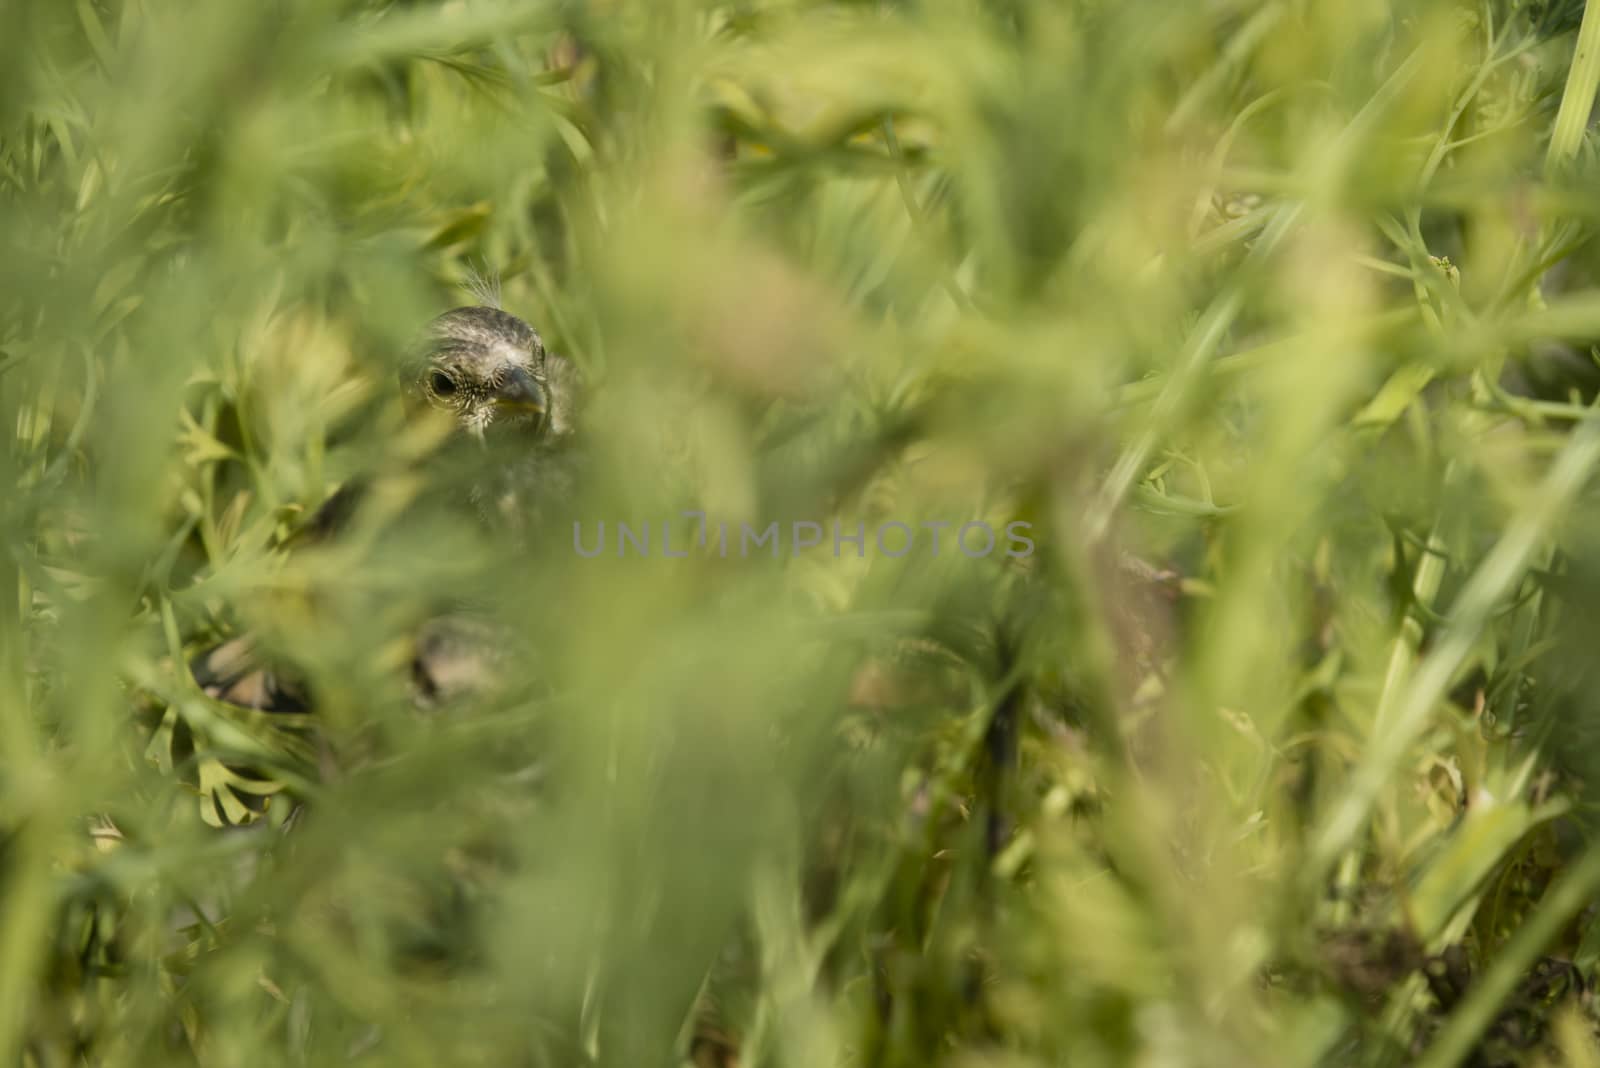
[1275, 318]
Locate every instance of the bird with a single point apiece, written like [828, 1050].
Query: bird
[492, 374]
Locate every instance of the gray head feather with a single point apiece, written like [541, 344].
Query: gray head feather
[489, 368]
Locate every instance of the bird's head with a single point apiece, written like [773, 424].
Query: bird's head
[488, 368]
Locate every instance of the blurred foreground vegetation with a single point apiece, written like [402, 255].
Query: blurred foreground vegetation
[1276, 320]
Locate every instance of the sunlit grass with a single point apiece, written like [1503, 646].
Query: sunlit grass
[1272, 322]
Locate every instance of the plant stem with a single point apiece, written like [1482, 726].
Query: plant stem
[1577, 100]
[1563, 901]
[1499, 572]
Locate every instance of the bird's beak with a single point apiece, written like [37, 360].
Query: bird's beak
[520, 394]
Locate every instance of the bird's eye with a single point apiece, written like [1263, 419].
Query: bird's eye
[443, 385]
